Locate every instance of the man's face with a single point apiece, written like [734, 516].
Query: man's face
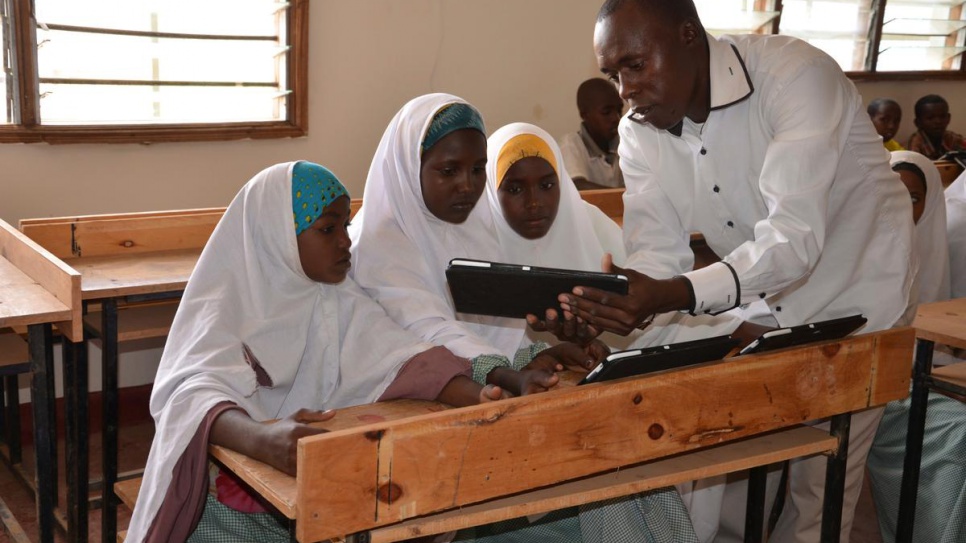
[887, 120]
[603, 115]
[651, 62]
[933, 119]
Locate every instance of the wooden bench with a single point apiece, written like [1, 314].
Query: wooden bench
[576, 445]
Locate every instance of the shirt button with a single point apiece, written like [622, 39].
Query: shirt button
[704, 151]
[731, 224]
[761, 295]
[778, 308]
[716, 189]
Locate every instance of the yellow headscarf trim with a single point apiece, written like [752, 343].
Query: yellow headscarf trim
[520, 147]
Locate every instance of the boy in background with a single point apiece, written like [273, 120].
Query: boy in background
[590, 154]
[932, 139]
[886, 116]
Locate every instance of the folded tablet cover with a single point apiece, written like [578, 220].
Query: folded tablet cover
[805, 333]
[510, 290]
[677, 355]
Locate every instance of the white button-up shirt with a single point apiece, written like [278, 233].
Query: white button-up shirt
[787, 180]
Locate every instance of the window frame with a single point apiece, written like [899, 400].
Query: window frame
[26, 92]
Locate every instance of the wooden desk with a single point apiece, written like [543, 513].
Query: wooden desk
[949, 171]
[37, 290]
[938, 322]
[418, 469]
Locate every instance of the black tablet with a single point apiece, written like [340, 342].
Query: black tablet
[511, 290]
[805, 333]
[664, 357]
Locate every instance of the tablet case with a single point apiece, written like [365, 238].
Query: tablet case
[664, 357]
[511, 290]
[805, 333]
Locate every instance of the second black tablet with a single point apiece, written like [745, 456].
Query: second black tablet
[805, 333]
[511, 290]
[664, 357]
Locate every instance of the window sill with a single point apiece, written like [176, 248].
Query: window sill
[933, 75]
[148, 134]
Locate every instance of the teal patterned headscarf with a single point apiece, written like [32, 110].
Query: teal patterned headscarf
[451, 118]
[313, 188]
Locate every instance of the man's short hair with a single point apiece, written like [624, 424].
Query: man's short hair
[591, 88]
[929, 100]
[675, 10]
[878, 104]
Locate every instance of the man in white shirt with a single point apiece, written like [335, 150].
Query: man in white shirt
[590, 154]
[761, 144]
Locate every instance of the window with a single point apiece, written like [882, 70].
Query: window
[153, 70]
[870, 36]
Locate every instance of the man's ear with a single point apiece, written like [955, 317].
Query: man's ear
[690, 32]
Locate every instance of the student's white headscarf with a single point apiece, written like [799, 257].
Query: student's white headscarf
[581, 233]
[321, 346]
[956, 231]
[931, 245]
[400, 249]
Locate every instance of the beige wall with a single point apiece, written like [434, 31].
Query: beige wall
[516, 60]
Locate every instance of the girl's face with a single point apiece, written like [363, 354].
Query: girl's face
[917, 191]
[530, 197]
[453, 175]
[324, 246]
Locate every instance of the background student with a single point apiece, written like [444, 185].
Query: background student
[941, 496]
[886, 116]
[932, 138]
[270, 328]
[591, 152]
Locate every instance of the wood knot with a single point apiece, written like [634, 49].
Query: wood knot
[374, 435]
[127, 243]
[655, 431]
[831, 349]
[638, 399]
[389, 492]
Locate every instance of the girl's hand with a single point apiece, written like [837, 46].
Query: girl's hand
[492, 393]
[280, 439]
[565, 355]
[521, 383]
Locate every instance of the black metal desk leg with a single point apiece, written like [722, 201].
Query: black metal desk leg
[835, 480]
[77, 446]
[12, 419]
[42, 398]
[109, 390]
[755, 509]
[918, 400]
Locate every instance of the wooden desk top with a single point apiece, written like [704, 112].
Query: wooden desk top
[391, 469]
[23, 301]
[138, 273]
[942, 322]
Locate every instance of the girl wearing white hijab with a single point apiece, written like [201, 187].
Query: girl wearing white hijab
[956, 232]
[269, 327]
[941, 497]
[419, 211]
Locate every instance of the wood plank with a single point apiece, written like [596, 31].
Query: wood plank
[13, 350]
[783, 445]
[127, 491]
[144, 273]
[942, 322]
[130, 236]
[389, 472]
[610, 201]
[279, 488]
[138, 322]
[953, 373]
[49, 273]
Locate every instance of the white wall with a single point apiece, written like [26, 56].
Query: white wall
[515, 60]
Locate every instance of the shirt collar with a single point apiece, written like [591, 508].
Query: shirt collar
[728, 77]
[592, 148]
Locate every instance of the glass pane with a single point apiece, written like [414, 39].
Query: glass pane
[916, 58]
[93, 104]
[839, 28]
[101, 56]
[232, 17]
[6, 76]
[921, 27]
[732, 16]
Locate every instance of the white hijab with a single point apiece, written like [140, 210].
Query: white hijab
[581, 233]
[956, 231]
[933, 276]
[315, 341]
[400, 249]
[578, 238]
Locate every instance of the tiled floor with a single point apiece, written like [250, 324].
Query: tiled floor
[135, 441]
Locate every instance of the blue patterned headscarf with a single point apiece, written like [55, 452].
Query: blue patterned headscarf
[451, 118]
[313, 188]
